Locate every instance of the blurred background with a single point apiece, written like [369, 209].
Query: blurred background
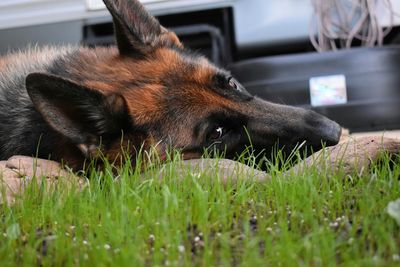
[338, 57]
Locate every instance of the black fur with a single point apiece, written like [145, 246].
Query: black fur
[75, 111]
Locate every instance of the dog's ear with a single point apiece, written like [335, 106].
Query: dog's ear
[137, 32]
[81, 114]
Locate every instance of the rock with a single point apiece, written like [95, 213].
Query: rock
[225, 169]
[354, 155]
[18, 171]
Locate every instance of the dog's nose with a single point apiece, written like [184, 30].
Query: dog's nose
[330, 133]
[325, 130]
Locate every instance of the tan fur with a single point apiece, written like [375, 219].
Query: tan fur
[146, 103]
[33, 58]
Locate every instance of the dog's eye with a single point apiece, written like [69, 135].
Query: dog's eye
[234, 84]
[217, 133]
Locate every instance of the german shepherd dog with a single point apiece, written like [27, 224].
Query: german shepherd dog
[69, 103]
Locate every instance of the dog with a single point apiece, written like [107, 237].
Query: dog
[75, 103]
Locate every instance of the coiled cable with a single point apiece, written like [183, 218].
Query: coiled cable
[339, 23]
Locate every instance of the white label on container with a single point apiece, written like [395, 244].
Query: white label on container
[328, 90]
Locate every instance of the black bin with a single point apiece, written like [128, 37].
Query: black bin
[372, 77]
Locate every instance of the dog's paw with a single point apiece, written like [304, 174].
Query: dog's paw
[353, 155]
[18, 171]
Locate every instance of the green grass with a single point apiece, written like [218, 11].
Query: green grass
[306, 219]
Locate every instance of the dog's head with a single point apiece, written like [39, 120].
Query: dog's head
[155, 91]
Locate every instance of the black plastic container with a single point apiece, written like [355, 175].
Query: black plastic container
[372, 81]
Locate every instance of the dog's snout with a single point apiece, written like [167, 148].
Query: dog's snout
[330, 133]
[325, 130]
